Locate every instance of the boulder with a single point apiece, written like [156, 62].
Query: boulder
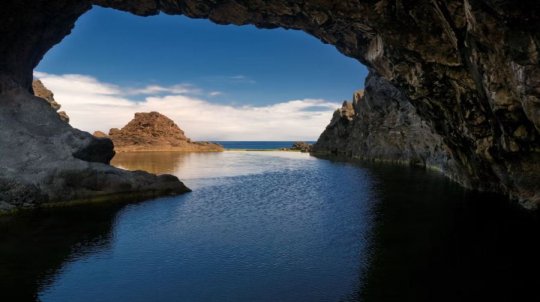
[46, 162]
[99, 134]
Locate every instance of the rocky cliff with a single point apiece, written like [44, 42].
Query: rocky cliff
[154, 131]
[470, 68]
[381, 124]
[42, 92]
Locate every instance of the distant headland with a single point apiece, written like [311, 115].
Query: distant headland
[153, 131]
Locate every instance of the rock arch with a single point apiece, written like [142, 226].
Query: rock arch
[470, 68]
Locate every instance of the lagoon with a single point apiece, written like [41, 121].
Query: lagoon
[276, 226]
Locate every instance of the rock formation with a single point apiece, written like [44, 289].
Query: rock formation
[470, 68]
[154, 131]
[381, 124]
[42, 92]
[100, 134]
[301, 146]
[47, 162]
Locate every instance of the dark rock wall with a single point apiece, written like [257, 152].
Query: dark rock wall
[381, 124]
[28, 30]
[469, 67]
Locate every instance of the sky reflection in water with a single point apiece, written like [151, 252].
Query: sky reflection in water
[277, 226]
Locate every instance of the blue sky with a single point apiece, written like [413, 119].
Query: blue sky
[222, 65]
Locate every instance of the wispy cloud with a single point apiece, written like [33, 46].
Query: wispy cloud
[156, 89]
[86, 84]
[81, 84]
[241, 79]
[94, 105]
[215, 93]
[231, 79]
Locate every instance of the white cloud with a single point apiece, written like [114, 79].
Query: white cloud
[215, 93]
[94, 105]
[234, 79]
[156, 89]
[80, 84]
[242, 79]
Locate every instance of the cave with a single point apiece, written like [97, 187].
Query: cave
[469, 69]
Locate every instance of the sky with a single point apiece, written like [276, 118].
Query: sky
[217, 82]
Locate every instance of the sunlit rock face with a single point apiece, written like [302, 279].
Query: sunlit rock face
[153, 131]
[470, 68]
[42, 92]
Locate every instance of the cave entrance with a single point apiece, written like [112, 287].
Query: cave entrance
[218, 83]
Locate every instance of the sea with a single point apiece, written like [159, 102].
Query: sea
[257, 145]
[276, 226]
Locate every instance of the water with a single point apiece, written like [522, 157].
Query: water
[257, 145]
[277, 226]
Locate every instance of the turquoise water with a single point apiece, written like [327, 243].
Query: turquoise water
[257, 145]
[277, 226]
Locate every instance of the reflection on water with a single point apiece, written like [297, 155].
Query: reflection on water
[433, 241]
[35, 246]
[153, 162]
[277, 226]
[211, 165]
[273, 229]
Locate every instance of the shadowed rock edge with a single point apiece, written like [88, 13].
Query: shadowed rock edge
[380, 124]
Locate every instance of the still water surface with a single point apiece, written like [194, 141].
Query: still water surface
[277, 226]
[257, 145]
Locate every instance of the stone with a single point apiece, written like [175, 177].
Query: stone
[301, 146]
[49, 163]
[380, 124]
[100, 134]
[153, 131]
[42, 92]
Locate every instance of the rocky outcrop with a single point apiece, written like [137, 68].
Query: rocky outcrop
[301, 146]
[154, 131]
[470, 68]
[100, 134]
[42, 92]
[46, 162]
[381, 124]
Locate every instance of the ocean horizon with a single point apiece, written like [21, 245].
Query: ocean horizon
[258, 145]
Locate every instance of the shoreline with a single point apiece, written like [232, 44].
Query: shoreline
[225, 150]
[263, 150]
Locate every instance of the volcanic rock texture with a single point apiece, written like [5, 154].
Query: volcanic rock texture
[470, 68]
